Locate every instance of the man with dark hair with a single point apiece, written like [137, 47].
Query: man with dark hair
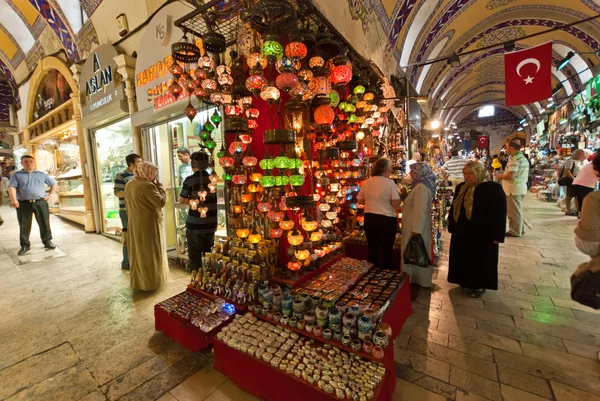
[27, 191]
[200, 231]
[120, 180]
[185, 168]
[514, 182]
[454, 168]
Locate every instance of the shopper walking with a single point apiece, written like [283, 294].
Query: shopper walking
[200, 231]
[477, 223]
[185, 168]
[416, 219]
[454, 168]
[587, 233]
[120, 180]
[27, 191]
[380, 198]
[585, 183]
[514, 182]
[571, 169]
[145, 199]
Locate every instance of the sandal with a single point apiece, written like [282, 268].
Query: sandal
[477, 293]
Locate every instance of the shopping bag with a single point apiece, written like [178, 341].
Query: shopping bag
[415, 252]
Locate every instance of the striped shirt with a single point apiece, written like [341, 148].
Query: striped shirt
[455, 166]
[194, 223]
[519, 165]
[120, 180]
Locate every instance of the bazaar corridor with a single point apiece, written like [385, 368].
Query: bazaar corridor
[72, 328]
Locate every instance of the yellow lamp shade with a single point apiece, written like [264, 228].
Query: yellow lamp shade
[254, 188]
[303, 254]
[326, 223]
[242, 232]
[310, 225]
[246, 197]
[254, 238]
[316, 236]
[237, 209]
[295, 238]
[286, 224]
[319, 252]
[255, 177]
[331, 215]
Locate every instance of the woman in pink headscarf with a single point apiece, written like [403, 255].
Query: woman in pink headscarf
[145, 199]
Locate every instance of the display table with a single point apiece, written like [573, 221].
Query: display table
[361, 252]
[301, 280]
[258, 377]
[182, 333]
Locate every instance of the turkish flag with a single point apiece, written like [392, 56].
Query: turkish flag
[483, 141]
[528, 75]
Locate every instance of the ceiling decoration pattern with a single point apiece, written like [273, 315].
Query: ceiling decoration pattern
[358, 11]
[18, 56]
[584, 37]
[6, 71]
[6, 99]
[34, 55]
[496, 4]
[86, 38]
[37, 27]
[401, 19]
[89, 6]
[59, 26]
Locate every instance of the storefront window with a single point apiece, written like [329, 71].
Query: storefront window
[112, 145]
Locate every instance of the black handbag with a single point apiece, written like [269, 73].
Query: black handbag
[564, 181]
[415, 252]
[585, 289]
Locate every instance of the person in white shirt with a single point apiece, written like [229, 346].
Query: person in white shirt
[380, 198]
[454, 168]
[415, 159]
[585, 183]
[569, 171]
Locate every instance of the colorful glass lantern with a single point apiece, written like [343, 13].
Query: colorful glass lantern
[255, 177]
[264, 206]
[190, 111]
[175, 89]
[286, 224]
[272, 49]
[242, 232]
[276, 233]
[237, 209]
[267, 181]
[297, 180]
[281, 162]
[295, 238]
[252, 124]
[254, 188]
[360, 135]
[299, 91]
[359, 90]
[305, 75]
[368, 97]
[331, 215]
[256, 84]
[316, 236]
[320, 86]
[176, 70]
[286, 81]
[282, 180]
[275, 216]
[341, 75]
[302, 254]
[326, 223]
[334, 97]
[256, 59]
[316, 62]
[239, 179]
[250, 161]
[324, 207]
[246, 197]
[252, 113]
[310, 225]
[297, 117]
[285, 64]
[209, 85]
[319, 252]
[270, 94]
[294, 265]
[296, 50]
[254, 237]
[267, 163]
[237, 147]
[226, 162]
[324, 115]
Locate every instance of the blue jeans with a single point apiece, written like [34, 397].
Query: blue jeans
[123, 216]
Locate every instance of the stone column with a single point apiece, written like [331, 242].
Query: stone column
[126, 68]
[26, 139]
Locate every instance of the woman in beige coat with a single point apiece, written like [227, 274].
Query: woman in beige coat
[145, 198]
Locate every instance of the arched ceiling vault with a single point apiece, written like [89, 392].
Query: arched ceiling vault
[421, 30]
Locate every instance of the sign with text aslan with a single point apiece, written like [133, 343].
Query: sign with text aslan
[100, 83]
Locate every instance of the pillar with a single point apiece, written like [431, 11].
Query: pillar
[126, 67]
[26, 139]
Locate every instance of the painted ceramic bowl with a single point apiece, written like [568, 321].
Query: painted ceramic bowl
[321, 312]
[365, 324]
[356, 345]
[322, 322]
[367, 347]
[299, 306]
[301, 324]
[327, 334]
[284, 320]
[381, 339]
[318, 331]
[342, 307]
[349, 318]
[346, 340]
[385, 328]
[309, 327]
[293, 322]
[337, 335]
[335, 316]
[310, 317]
[377, 352]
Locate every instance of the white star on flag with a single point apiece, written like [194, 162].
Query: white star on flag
[528, 80]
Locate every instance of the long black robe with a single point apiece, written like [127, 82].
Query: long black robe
[473, 254]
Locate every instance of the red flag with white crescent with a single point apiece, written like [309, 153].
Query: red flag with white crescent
[528, 75]
[483, 141]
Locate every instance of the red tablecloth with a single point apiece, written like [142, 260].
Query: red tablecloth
[271, 384]
[184, 334]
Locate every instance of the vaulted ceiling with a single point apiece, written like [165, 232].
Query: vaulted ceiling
[422, 30]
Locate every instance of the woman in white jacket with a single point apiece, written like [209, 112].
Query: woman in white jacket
[416, 219]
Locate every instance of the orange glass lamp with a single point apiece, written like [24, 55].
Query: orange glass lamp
[246, 197]
[310, 225]
[286, 224]
[255, 177]
[302, 255]
[254, 237]
[254, 188]
[294, 265]
[243, 232]
[316, 236]
[319, 252]
[237, 209]
[295, 238]
[276, 233]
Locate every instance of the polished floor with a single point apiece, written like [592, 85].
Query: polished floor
[73, 330]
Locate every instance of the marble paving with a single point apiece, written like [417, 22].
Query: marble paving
[73, 330]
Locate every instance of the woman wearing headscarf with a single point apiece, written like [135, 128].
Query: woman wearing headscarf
[416, 219]
[477, 222]
[145, 199]
[380, 198]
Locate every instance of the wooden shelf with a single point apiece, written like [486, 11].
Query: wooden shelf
[71, 196]
[74, 177]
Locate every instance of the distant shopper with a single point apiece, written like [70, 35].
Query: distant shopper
[571, 169]
[415, 159]
[200, 231]
[514, 182]
[454, 168]
[145, 198]
[416, 219]
[27, 191]
[120, 180]
[185, 168]
[503, 160]
[585, 183]
[553, 159]
[380, 198]
[587, 233]
[477, 223]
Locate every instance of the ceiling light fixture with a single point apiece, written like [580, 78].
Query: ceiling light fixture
[421, 99]
[522, 121]
[563, 63]
[454, 60]
[558, 88]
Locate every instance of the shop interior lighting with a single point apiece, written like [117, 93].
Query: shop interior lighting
[486, 111]
[520, 129]
[454, 60]
[447, 129]
[565, 61]
[558, 88]
[435, 124]
[525, 124]
[542, 111]
[421, 99]
[522, 121]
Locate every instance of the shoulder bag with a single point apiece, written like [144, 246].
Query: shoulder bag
[564, 181]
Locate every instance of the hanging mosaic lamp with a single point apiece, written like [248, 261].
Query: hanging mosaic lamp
[176, 70]
[242, 233]
[176, 90]
[190, 111]
[267, 181]
[185, 52]
[359, 90]
[334, 97]
[305, 75]
[302, 254]
[299, 91]
[250, 161]
[296, 50]
[316, 236]
[270, 94]
[257, 59]
[272, 49]
[256, 84]
[294, 265]
[324, 115]
[254, 237]
[286, 81]
[276, 233]
[295, 238]
[286, 224]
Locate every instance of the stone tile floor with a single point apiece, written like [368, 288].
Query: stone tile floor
[73, 330]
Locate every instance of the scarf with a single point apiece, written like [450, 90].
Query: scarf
[146, 171]
[424, 175]
[467, 191]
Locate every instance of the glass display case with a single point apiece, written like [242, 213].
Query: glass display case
[112, 144]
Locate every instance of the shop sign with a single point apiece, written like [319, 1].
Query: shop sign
[154, 58]
[53, 91]
[100, 83]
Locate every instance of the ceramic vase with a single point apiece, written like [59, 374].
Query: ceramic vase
[298, 306]
[365, 325]
[381, 339]
[310, 317]
[368, 346]
[301, 325]
[356, 345]
[318, 330]
[349, 318]
[321, 312]
[377, 352]
[385, 328]
[327, 334]
[335, 317]
[342, 307]
[346, 340]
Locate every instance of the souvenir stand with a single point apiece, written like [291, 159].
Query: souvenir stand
[302, 115]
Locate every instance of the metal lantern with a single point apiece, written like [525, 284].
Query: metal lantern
[185, 52]
[190, 111]
[297, 118]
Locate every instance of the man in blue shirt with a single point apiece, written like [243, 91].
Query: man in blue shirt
[27, 191]
[120, 180]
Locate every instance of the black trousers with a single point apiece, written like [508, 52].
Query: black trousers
[581, 192]
[198, 244]
[42, 216]
[381, 233]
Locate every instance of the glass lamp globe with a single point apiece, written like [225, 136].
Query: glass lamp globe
[302, 254]
[286, 224]
[242, 232]
[276, 233]
[310, 225]
[294, 265]
[254, 237]
[296, 50]
[316, 236]
[295, 238]
[270, 94]
[324, 207]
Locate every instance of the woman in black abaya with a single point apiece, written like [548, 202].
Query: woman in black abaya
[477, 223]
